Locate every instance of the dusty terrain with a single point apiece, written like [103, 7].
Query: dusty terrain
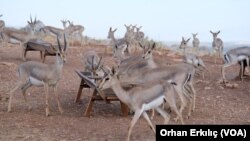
[215, 104]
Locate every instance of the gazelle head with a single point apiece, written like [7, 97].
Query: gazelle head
[32, 23]
[109, 79]
[64, 22]
[184, 43]
[70, 23]
[215, 34]
[96, 67]
[194, 35]
[148, 51]
[128, 27]
[111, 34]
[138, 28]
[60, 52]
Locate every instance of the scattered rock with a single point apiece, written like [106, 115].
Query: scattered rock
[207, 88]
[233, 86]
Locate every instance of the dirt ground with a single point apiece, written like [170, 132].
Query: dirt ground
[215, 104]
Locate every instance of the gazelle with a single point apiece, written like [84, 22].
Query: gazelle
[39, 74]
[45, 48]
[92, 63]
[2, 25]
[143, 98]
[217, 44]
[196, 41]
[18, 35]
[234, 56]
[139, 35]
[76, 30]
[182, 74]
[119, 43]
[53, 30]
[196, 61]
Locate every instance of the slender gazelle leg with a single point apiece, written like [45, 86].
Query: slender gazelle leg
[18, 85]
[46, 89]
[134, 120]
[57, 99]
[24, 88]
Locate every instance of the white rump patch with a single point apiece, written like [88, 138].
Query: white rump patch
[155, 103]
[36, 82]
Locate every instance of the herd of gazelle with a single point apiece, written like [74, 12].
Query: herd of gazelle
[153, 84]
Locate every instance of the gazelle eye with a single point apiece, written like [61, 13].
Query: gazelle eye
[149, 51]
[107, 79]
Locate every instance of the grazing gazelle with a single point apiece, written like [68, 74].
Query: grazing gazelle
[217, 44]
[234, 56]
[142, 98]
[39, 74]
[93, 63]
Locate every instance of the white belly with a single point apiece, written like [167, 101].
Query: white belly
[155, 103]
[36, 82]
[242, 57]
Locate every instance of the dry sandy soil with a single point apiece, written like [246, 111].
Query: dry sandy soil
[215, 104]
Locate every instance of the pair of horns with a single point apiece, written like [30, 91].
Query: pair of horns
[59, 44]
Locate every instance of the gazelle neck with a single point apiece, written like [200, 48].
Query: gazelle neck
[120, 92]
[58, 63]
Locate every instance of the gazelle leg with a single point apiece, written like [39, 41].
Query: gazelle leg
[171, 100]
[223, 70]
[152, 114]
[24, 54]
[134, 120]
[163, 114]
[47, 110]
[24, 88]
[145, 115]
[57, 99]
[19, 83]
[180, 93]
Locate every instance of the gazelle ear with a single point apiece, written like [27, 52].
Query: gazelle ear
[113, 70]
[218, 32]
[211, 32]
[183, 39]
[115, 30]
[153, 46]
[141, 45]
[188, 39]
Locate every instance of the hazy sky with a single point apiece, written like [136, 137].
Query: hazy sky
[165, 20]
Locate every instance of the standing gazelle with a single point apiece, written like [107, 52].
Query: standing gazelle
[217, 44]
[184, 44]
[142, 98]
[39, 74]
[196, 41]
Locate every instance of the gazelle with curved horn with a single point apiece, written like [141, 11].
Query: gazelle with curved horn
[39, 74]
